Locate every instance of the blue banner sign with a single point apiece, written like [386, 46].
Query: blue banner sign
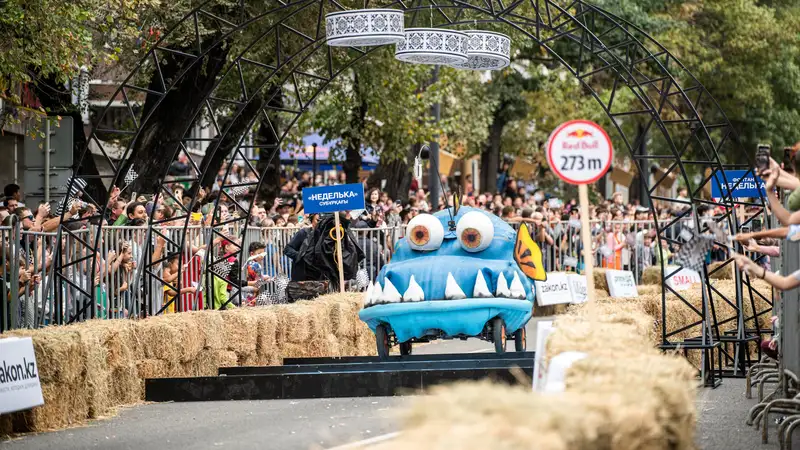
[748, 185]
[328, 199]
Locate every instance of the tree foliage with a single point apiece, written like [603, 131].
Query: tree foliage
[385, 105]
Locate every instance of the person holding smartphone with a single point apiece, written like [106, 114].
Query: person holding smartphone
[774, 177]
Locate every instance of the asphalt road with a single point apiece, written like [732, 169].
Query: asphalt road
[334, 423]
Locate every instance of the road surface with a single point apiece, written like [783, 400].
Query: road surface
[332, 423]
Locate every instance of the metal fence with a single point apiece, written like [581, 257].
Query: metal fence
[127, 282]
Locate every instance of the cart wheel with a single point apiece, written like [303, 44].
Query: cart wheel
[405, 348]
[520, 343]
[499, 335]
[382, 341]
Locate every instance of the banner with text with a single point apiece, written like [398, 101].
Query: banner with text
[20, 387]
[554, 291]
[578, 287]
[621, 283]
[741, 184]
[328, 199]
[683, 279]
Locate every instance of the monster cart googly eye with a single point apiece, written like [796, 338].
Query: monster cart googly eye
[425, 233]
[475, 231]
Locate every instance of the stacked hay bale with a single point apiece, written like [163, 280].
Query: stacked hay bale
[624, 395]
[89, 369]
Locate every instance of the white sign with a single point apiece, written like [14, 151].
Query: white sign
[553, 291]
[556, 378]
[682, 280]
[543, 330]
[579, 152]
[621, 283]
[19, 376]
[578, 287]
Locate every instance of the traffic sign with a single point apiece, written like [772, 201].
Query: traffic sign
[328, 199]
[579, 152]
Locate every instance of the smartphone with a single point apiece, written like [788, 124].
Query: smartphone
[788, 160]
[762, 157]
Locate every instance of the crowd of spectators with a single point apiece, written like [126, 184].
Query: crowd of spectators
[623, 235]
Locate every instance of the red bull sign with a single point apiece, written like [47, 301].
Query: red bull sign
[579, 152]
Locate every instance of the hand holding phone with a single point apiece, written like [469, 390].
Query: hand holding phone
[762, 157]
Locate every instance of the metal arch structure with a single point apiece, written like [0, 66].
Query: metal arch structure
[281, 64]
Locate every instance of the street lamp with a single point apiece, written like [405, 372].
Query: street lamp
[314, 166]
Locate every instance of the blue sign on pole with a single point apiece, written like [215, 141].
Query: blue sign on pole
[328, 199]
[741, 184]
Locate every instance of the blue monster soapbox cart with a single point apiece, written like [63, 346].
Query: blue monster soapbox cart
[459, 273]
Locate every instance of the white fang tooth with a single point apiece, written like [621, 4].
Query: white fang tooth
[368, 295]
[502, 287]
[390, 293]
[517, 289]
[377, 293]
[481, 288]
[452, 291]
[414, 292]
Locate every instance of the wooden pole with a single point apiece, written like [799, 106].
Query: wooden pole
[339, 251]
[586, 239]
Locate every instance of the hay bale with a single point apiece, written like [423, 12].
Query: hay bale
[240, 331]
[159, 338]
[209, 361]
[721, 274]
[96, 380]
[600, 280]
[669, 380]
[651, 275]
[153, 368]
[550, 310]
[593, 337]
[649, 289]
[627, 313]
[90, 368]
[59, 353]
[213, 328]
[192, 337]
[461, 417]
[123, 349]
[6, 426]
[364, 343]
[267, 330]
[343, 312]
[294, 323]
[64, 405]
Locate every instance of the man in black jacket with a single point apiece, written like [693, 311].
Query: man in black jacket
[292, 249]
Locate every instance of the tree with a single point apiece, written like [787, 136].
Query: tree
[45, 43]
[385, 105]
[747, 54]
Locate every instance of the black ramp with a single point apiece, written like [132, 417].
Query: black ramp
[398, 358]
[316, 385]
[375, 366]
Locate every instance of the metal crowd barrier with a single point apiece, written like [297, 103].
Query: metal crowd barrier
[123, 288]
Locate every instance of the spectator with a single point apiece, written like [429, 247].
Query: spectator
[373, 200]
[13, 192]
[292, 249]
[171, 276]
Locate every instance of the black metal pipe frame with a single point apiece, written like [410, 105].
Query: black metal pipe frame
[618, 46]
